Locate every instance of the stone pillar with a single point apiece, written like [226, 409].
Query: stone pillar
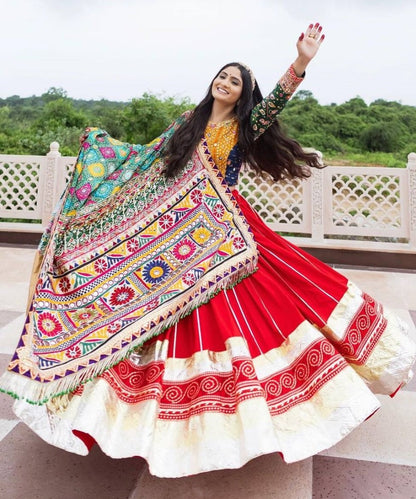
[51, 188]
[317, 203]
[411, 169]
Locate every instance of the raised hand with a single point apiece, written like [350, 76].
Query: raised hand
[309, 42]
[84, 135]
[308, 45]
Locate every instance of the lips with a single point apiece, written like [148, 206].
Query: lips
[222, 91]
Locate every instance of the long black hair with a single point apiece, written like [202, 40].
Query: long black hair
[273, 151]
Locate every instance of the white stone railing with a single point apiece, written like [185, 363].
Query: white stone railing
[338, 207]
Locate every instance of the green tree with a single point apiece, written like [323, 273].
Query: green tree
[381, 137]
[60, 113]
[145, 118]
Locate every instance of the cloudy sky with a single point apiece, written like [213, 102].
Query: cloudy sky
[118, 49]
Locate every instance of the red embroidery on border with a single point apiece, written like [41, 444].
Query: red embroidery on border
[223, 391]
[363, 333]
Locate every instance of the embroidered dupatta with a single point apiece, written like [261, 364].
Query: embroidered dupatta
[128, 255]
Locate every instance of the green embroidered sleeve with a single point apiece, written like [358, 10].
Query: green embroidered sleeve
[263, 115]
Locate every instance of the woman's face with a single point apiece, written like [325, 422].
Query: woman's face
[227, 86]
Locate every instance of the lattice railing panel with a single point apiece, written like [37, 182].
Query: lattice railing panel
[68, 163]
[280, 204]
[19, 188]
[353, 204]
[369, 202]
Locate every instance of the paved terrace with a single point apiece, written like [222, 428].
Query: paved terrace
[378, 460]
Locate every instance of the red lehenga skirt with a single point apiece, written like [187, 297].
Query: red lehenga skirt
[286, 361]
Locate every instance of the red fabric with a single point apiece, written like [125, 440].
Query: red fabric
[264, 308]
[86, 438]
[288, 287]
[226, 352]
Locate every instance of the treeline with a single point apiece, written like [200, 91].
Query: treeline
[29, 124]
[382, 132]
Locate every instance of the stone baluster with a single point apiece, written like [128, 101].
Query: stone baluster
[317, 203]
[411, 169]
[51, 188]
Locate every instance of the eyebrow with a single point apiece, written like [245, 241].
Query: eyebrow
[231, 76]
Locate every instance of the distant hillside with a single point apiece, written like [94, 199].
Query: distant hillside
[382, 132]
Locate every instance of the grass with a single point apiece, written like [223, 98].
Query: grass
[392, 160]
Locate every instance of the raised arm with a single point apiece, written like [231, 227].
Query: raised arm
[263, 115]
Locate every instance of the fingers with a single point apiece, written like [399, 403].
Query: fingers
[314, 31]
[84, 135]
[308, 30]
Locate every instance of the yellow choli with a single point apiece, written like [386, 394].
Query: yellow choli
[221, 138]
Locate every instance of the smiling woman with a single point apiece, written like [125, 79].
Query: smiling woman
[169, 322]
[227, 88]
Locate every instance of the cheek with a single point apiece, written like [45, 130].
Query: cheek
[237, 93]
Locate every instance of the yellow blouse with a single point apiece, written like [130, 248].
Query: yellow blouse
[221, 138]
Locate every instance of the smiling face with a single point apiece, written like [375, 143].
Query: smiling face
[228, 86]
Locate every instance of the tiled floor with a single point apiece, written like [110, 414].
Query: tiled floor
[378, 460]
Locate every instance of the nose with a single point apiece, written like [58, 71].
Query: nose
[224, 82]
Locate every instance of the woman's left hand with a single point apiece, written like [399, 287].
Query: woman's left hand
[309, 42]
[308, 45]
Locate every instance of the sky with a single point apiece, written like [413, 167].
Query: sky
[119, 49]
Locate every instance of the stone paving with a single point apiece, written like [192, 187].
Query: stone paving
[377, 460]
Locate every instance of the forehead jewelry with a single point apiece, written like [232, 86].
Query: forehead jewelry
[250, 72]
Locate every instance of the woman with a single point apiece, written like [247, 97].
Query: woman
[169, 322]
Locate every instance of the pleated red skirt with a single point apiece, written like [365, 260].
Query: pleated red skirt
[286, 361]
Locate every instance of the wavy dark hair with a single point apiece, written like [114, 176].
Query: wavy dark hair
[272, 152]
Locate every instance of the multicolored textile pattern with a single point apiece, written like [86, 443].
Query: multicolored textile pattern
[221, 138]
[286, 361]
[128, 257]
[268, 109]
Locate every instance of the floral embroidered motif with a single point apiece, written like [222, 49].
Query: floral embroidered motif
[132, 245]
[189, 278]
[114, 327]
[155, 271]
[100, 265]
[238, 243]
[48, 325]
[74, 352]
[121, 296]
[201, 235]
[184, 249]
[64, 284]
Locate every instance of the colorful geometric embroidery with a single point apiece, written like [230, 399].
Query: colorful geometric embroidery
[263, 115]
[120, 270]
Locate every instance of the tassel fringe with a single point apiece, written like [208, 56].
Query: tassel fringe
[38, 393]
